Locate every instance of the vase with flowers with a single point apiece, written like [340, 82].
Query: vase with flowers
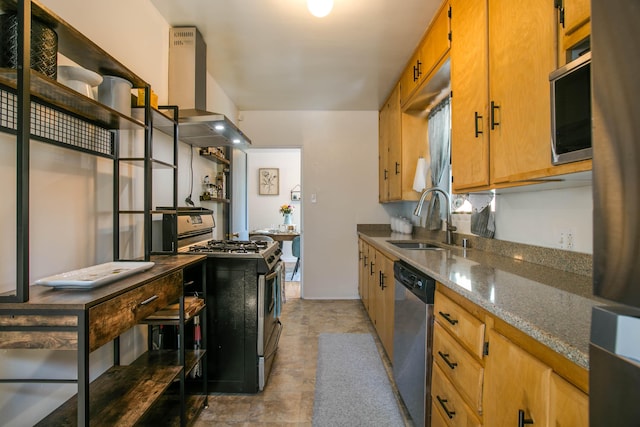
[287, 211]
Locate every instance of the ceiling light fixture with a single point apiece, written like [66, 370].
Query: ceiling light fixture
[320, 8]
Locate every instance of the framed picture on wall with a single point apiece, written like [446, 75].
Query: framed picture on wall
[269, 181]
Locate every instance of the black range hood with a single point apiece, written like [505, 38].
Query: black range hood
[188, 90]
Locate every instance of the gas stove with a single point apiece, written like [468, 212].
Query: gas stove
[230, 246]
[242, 249]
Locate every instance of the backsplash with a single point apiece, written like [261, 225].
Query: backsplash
[569, 261]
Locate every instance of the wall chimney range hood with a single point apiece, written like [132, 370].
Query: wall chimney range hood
[188, 90]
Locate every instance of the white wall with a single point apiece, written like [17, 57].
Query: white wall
[71, 199]
[264, 210]
[539, 217]
[339, 166]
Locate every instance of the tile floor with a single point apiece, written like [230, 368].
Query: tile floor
[287, 399]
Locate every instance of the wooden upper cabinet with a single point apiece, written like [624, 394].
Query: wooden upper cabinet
[501, 55]
[411, 76]
[576, 14]
[574, 26]
[395, 146]
[383, 153]
[390, 149]
[521, 56]
[470, 88]
[436, 44]
[516, 385]
[433, 47]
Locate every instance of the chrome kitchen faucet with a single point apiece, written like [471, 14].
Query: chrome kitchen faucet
[450, 228]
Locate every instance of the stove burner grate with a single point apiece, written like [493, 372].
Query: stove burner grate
[230, 246]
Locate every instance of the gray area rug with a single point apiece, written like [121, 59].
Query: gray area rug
[352, 387]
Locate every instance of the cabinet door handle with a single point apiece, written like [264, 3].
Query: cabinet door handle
[442, 402]
[364, 261]
[448, 318]
[417, 72]
[371, 268]
[386, 174]
[397, 168]
[478, 117]
[522, 421]
[558, 4]
[382, 285]
[445, 357]
[494, 107]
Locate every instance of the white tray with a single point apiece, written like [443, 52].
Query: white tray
[94, 276]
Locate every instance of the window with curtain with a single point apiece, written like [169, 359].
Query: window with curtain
[439, 137]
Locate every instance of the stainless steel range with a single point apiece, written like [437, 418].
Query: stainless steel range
[244, 287]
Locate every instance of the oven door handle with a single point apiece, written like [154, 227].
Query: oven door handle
[275, 272]
[267, 356]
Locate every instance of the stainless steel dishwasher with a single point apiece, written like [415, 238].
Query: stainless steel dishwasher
[412, 340]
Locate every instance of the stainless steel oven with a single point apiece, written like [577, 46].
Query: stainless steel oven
[269, 326]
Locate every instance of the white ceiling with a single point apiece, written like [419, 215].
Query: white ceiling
[274, 55]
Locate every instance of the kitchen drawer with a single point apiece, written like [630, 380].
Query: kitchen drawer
[113, 317]
[444, 395]
[461, 324]
[463, 370]
[437, 419]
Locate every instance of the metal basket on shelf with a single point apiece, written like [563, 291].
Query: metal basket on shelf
[44, 45]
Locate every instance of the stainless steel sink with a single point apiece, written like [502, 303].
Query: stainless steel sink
[410, 244]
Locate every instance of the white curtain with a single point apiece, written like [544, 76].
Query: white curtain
[439, 136]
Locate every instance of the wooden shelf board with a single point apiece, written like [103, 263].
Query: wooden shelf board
[215, 159]
[51, 92]
[120, 396]
[215, 200]
[168, 410]
[169, 358]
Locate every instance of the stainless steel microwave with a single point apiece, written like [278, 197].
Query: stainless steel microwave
[571, 111]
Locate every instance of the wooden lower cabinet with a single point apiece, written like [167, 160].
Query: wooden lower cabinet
[569, 407]
[384, 291]
[377, 286]
[458, 365]
[516, 385]
[464, 371]
[449, 404]
[467, 328]
[514, 379]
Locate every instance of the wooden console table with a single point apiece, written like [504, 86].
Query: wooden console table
[84, 320]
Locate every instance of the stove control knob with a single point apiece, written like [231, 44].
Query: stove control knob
[419, 284]
[270, 259]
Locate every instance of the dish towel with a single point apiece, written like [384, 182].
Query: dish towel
[420, 178]
[482, 219]
[278, 293]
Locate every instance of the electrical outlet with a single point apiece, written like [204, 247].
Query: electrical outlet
[565, 240]
[569, 239]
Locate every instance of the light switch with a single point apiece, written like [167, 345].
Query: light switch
[313, 198]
